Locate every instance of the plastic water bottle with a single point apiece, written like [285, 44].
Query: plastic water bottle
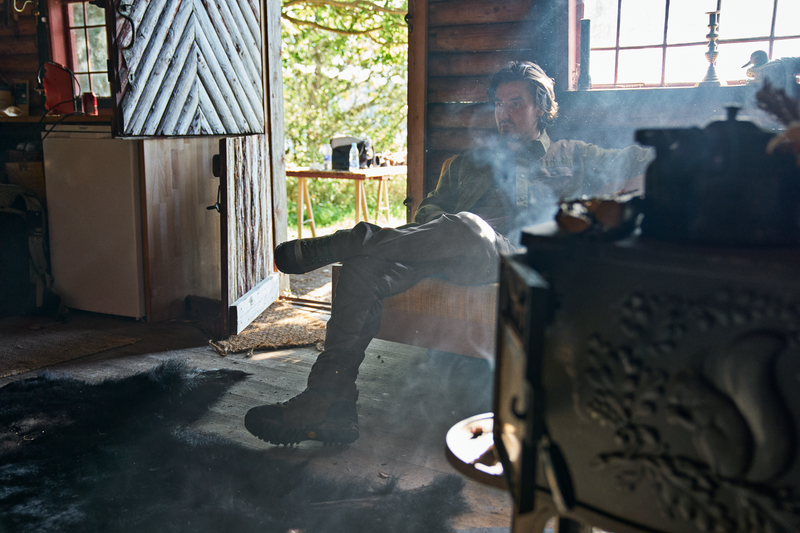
[353, 158]
[326, 156]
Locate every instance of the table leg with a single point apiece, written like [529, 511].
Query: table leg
[383, 200]
[358, 201]
[363, 199]
[361, 202]
[304, 197]
[310, 211]
[301, 183]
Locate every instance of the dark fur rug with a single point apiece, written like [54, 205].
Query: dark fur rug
[117, 457]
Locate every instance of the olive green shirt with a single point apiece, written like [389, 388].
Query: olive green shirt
[513, 189]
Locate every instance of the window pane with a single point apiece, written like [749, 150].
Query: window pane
[79, 58]
[642, 22]
[602, 67]
[739, 19]
[100, 85]
[640, 66]
[75, 14]
[97, 49]
[94, 15]
[787, 21]
[603, 14]
[688, 22]
[83, 80]
[686, 64]
[786, 48]
[732, 56]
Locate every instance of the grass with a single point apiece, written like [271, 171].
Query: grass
[334, 204]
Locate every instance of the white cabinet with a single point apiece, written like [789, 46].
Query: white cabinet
[95, 219]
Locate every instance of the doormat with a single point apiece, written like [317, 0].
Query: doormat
[282, 325]
[25, 352]
[120, 455]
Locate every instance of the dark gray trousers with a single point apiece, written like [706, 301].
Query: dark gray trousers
[381, 262]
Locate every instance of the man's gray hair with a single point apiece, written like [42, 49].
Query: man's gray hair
[539, 85]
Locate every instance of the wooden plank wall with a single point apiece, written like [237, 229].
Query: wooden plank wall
[19, 50]
[182, 237]
[468, 41]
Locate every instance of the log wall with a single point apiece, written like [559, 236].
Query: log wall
[19, 50]
[468, 41]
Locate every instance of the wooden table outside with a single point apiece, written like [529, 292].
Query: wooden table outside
[381, 174]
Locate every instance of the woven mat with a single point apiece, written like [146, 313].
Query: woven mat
[280, 326]
[30, 351]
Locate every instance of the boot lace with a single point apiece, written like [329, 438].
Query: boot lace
[316, 251]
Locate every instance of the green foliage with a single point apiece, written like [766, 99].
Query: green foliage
[344, 73]
[334, 201]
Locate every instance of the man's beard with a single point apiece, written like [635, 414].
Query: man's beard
[511, 139]
[507, 132]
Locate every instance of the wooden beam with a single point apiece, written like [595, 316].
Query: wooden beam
[247, 308]
[479, 115]
[271, 23]
[25, 26]
[478, 12]
[417, 96]
[465, 89]
[474, 63]
[456, 139]
[481, 38]
[13, 45]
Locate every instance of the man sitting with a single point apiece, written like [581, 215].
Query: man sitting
[459, 232]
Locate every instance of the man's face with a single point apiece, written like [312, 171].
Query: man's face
[516, 115]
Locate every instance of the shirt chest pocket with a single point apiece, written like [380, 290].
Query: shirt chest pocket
[560, 179]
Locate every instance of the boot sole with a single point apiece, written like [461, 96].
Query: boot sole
[327, 433]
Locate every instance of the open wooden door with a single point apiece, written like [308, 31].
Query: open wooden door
[249, 284]
[199, 70]
[252, 174]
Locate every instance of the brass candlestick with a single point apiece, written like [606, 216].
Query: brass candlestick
[711, 78]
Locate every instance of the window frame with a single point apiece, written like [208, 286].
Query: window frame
[71, 52]
[664, 46]
[61, 50]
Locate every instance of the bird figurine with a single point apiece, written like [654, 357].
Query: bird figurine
[757, 58]
[782, 73]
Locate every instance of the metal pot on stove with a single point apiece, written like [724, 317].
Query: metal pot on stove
[718, 186]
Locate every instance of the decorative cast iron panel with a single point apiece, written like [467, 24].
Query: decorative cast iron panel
[187, 67]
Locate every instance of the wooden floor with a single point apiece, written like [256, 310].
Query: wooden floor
[409, 398]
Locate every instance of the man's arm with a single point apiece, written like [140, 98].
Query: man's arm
[445, 197]
[611, 170]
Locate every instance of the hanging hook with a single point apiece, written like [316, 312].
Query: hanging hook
[20, 10]
[122, 10]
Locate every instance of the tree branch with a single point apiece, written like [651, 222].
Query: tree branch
[325, 28]
[348, 5]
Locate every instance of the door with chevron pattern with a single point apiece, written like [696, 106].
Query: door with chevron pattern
[187, 67]
[190, 68]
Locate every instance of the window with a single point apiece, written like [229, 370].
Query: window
[78, 39]
[88, 48]
[663, 42]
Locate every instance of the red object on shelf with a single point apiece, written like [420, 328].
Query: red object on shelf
[59, 90]
[89, 101]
